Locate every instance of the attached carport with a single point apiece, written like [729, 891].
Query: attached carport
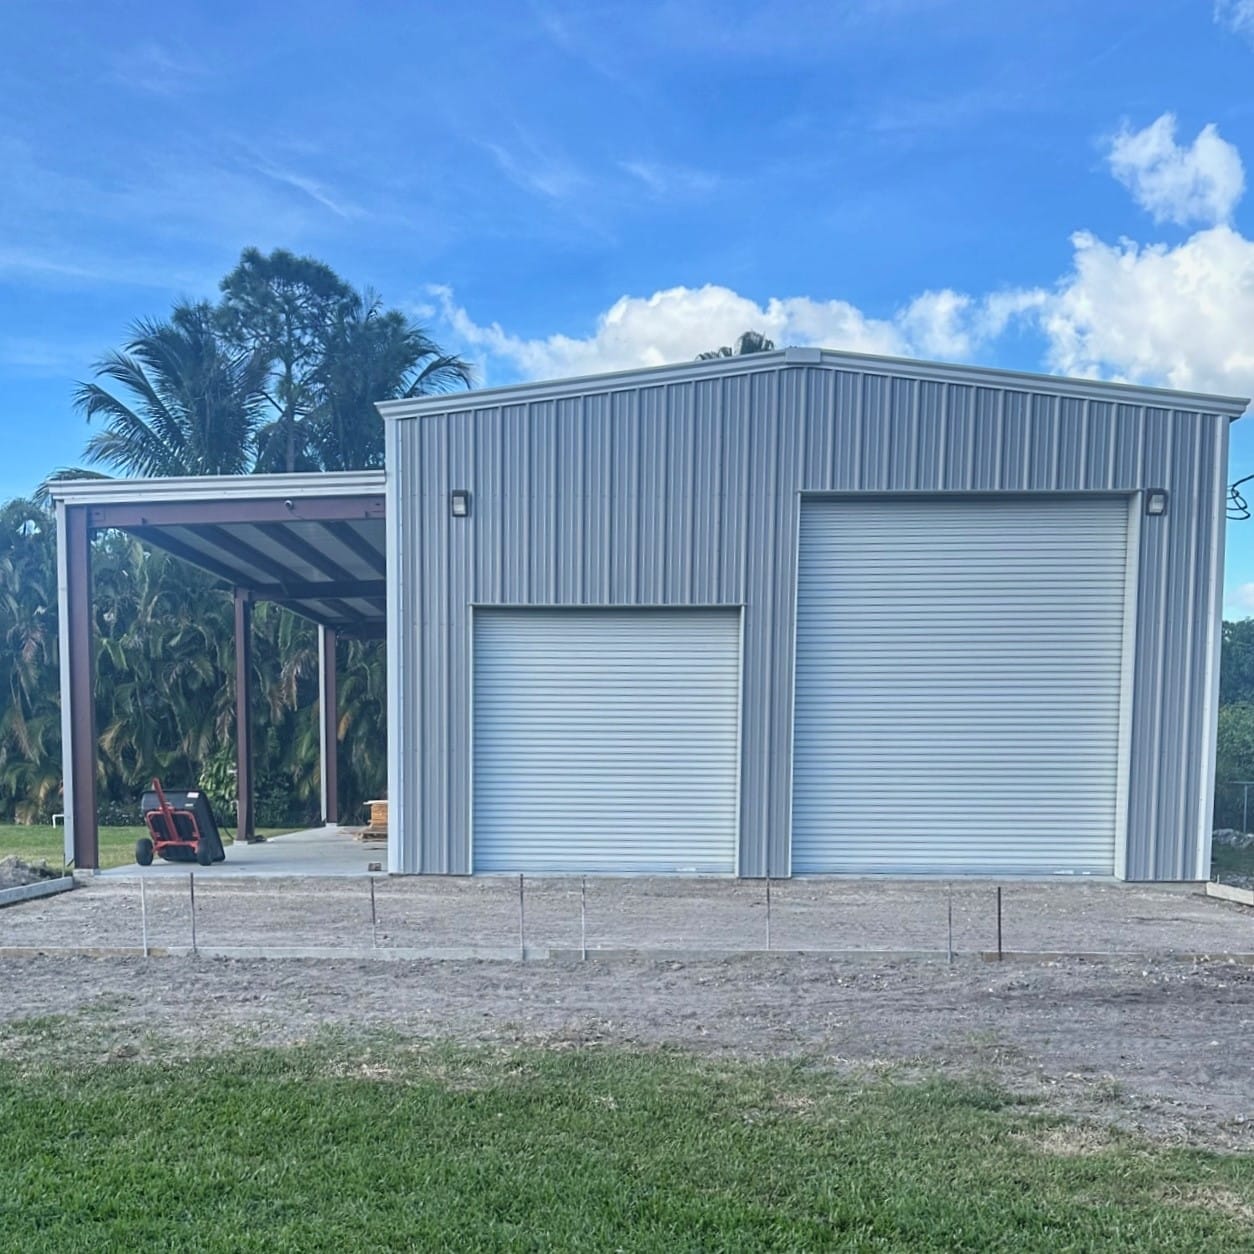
[314, 543]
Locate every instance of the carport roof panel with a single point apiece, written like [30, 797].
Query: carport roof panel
[315, 543]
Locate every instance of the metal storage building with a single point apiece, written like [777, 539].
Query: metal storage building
[805, 612]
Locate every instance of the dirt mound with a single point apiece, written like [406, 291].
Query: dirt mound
[14, 872]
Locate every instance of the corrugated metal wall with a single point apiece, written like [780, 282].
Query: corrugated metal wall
[685, 492]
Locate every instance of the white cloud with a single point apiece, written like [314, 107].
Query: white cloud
[1236, 15]
[677, 323]
[318, 192]
[530, 163]
[1178, 316]
[665, 181]
[1155, 314]
[1198, 183]
[954, 326]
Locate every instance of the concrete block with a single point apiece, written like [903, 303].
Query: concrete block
[29, 892]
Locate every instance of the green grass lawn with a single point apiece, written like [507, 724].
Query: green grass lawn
[117, 844]
[351, 1147]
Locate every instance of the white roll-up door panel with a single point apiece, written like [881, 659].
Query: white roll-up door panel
[606, 740]
[958, 680]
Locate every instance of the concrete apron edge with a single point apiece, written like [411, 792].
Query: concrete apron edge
[1230, 892]
[575, 955]
[30, 892]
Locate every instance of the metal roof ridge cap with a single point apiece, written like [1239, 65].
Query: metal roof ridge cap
[609, 380]
[1218, 402]
[941, 372]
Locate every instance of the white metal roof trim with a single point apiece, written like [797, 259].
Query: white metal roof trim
[882, 368]
[219, 487]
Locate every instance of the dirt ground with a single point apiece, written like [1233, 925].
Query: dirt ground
[451, 917]
[14, 873]
[1165, 1047]
[1157, 1034]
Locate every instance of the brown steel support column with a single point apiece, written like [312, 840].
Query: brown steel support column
[328, 723]
[245, 824]
[78, 687]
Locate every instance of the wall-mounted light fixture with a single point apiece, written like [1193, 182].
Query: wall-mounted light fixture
[1156, 502]
[460, 501]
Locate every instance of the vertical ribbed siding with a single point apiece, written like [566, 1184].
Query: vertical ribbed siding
[686, 493]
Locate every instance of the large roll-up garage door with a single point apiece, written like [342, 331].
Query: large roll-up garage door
[606, 740]
[958, 680]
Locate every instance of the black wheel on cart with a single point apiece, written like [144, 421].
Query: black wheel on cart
[204, 855]
[143, 851]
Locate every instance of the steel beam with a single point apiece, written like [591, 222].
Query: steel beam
[297, 590]
[343, 611]
[159, 539]
[353, 540]
[328, 725]
[299, 547]
[364, 631]
[245, 822]
[241, 550]
[78, 686]
[130, 514]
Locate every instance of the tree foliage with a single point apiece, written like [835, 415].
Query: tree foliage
[1236, 672]
[280, 375]
[1234, 760]
[184, 401]
[370, 354]
[30, 717]
[284, 308]
[165, 698]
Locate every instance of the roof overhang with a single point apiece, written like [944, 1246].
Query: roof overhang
[312, 542]
[752, 363]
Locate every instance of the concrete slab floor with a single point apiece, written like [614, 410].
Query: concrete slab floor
[316, 851]
[442, 916]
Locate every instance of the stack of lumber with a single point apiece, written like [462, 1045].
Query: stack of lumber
[377, 829]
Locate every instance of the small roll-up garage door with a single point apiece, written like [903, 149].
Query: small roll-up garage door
[958, 679]
[606, 740]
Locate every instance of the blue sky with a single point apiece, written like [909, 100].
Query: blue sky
[555, 187]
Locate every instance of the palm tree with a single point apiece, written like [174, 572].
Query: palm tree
[372, 354]
[750, 342]
[163, 661]
[194, 406]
